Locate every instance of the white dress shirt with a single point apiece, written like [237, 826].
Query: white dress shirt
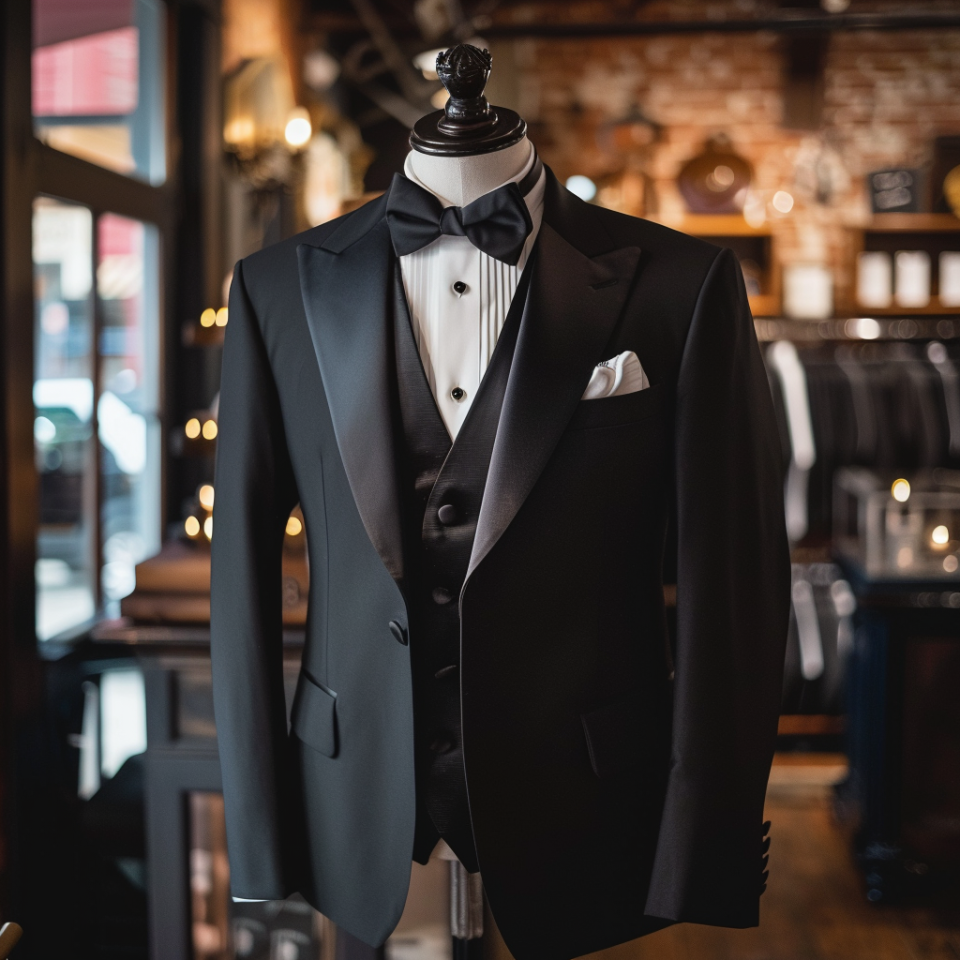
[457, 331]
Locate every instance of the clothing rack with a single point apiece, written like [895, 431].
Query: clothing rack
[863, 328]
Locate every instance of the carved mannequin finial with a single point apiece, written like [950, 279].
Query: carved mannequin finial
[464, 71]
[468, 124]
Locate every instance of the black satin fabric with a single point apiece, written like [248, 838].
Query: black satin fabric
[498, 223]
[438, 472]
[613, 788]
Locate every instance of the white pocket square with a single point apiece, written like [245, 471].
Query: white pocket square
[613, 378]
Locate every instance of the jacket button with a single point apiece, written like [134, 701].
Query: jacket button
[399, 634]
[441, 595]
[441, 745]
[447, 514]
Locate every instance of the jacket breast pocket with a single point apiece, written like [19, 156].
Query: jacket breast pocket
[616, 411]
[314, 716]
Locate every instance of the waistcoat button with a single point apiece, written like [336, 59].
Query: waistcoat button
[441, 595]
[399, 634]
[441, 745]
[447, 514]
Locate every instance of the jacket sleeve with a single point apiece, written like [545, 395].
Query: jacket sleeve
[254, 493]
[733, 586]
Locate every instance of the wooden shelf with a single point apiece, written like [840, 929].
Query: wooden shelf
[809, 725]
[913, 223]
[764, 305]
[933, 309]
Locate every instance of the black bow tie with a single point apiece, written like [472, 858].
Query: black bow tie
[498, 223]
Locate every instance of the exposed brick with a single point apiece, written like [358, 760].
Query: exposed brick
[886, 96]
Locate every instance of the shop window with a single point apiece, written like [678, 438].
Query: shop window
[98, 82]
[127, 407]
[96, 429]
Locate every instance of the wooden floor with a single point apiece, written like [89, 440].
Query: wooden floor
[814, 907]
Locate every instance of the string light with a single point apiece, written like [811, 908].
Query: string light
[940, 536]
[208, 528]
[294, 526]
[192, 428]
[210, 430]
[192, 526]
[900, 490]
[208, 317]
[205, 496]
[221, 316]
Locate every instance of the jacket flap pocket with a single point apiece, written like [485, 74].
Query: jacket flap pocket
[614, 736]
[314, 716]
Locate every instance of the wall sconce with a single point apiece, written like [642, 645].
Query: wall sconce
[263, 125]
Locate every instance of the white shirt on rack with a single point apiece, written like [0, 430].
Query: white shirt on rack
[458, 298]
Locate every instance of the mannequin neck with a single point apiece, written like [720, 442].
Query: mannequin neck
[461, 180]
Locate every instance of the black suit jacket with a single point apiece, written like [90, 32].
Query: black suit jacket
[609, 795]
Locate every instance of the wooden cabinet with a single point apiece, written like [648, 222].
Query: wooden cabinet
[754, 247]
[933, 233]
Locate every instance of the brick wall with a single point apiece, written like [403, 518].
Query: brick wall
[887, 95]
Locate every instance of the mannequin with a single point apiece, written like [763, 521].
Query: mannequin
[492, 408]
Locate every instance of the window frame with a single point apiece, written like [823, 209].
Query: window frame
[34, 169]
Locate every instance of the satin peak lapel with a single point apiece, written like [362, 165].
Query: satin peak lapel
[571, 311]
[347, 285]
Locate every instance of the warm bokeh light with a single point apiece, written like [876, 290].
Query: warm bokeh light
[900, 490]
[192, 428]
[298, 129]
[192, 526]
[294, 526]
[208, 317]
[208, 528]
[205, 496]
[210, 430]
[940, 536]
[904, 557]
[222, 317]
[951, 563]
[782, 201]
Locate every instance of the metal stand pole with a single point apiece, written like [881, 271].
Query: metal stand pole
[466, 913]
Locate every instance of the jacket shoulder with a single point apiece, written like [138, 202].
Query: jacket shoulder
[657, 240]
[274, 261]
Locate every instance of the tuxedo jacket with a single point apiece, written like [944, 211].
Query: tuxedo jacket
[616, 782]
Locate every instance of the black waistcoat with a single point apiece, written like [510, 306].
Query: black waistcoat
[443, 488]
